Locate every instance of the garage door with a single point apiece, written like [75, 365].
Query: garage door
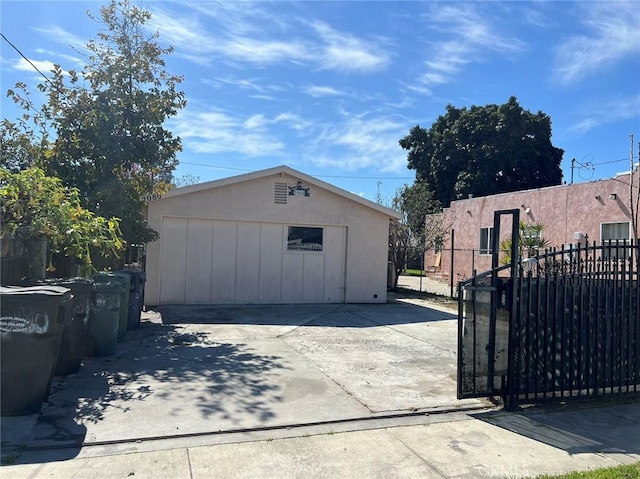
[218, 261]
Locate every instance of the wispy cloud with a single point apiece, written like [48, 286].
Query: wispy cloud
[255, 122]
[252, 84]
[370, 143]
[610, 111]
[23, 65]
[263, 51]
[60, 35]
[55, 34]
[342, 51]
[220, 132]
[470, 33]
[320, 91]
[612, 34]
[293, 121]
[201, 44]
[536, 18]
[68, 58]
[355, 142]
[253, 36]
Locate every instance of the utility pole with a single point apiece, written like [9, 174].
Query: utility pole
[378, 197]
[573, 165]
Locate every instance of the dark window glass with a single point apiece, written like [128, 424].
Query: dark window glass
[486, 240]
[304, 238]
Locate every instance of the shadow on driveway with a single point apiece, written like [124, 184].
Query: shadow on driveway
[192, 370]
[163, 381]
[321, 315]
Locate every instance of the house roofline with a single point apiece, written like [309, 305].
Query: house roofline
[283, 169]
[564, 185]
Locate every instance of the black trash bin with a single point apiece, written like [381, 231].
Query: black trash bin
[31, 324]
[75, 326]
[136, 296]
[104, 319]
[125, 281]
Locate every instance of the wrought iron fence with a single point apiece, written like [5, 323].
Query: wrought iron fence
[567, 325]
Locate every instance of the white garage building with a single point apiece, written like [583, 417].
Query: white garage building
[272, 236]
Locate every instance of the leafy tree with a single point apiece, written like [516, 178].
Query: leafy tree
[484, 150]
[110, 142]
[185, 180]
[24, 142]
[37, 208]
[408, 237]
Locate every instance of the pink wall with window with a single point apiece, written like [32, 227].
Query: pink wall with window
[570, 214]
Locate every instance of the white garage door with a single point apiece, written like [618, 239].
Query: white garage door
[217, 261]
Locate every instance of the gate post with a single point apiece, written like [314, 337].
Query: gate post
[508, 391]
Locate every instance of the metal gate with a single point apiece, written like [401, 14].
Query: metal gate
[563, 324]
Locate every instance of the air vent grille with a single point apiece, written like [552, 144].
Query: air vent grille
[280, 194]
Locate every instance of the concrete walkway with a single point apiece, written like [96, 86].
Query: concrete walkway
[426, 285]
[299, 391]
[454, 445]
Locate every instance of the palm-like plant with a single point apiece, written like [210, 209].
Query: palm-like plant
[529, 243]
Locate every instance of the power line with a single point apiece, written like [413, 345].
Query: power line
[28, 61]
[242, 169]
[608, 162]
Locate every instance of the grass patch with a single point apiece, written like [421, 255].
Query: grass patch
[446, 301]
[627, 471]
[413, 272]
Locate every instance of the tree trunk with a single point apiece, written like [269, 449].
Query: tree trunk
[36, 251]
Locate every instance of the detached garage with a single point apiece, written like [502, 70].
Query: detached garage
[273, 236]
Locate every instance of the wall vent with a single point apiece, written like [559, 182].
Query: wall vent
[280, 194]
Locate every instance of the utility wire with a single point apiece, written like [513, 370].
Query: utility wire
[608, 162]
[242, 169]
[28, 61]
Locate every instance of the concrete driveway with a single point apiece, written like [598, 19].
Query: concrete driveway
[195, 370]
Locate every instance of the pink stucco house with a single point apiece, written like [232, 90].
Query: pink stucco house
[573, 213]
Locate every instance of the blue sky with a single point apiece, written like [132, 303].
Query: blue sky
[329, 88]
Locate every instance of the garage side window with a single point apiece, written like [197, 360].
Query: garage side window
[304, 238]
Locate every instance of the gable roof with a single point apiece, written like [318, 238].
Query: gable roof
[277, 171]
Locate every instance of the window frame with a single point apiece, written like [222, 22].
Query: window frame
[287, 248]
[489, 249]
[612, 252]
[602, 225]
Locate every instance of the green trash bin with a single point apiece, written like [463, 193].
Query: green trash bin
[104, 319]
[136, 296]
[31, 324]
[75, 327]
[125, 280]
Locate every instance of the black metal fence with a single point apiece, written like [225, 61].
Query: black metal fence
[566, 326]
[13, 269]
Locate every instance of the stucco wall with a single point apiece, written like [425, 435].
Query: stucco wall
[564, 210]
[253, 200]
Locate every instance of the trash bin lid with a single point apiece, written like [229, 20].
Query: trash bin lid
[39, 290]
[77, 285]
[137, 275]
[106, 276]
